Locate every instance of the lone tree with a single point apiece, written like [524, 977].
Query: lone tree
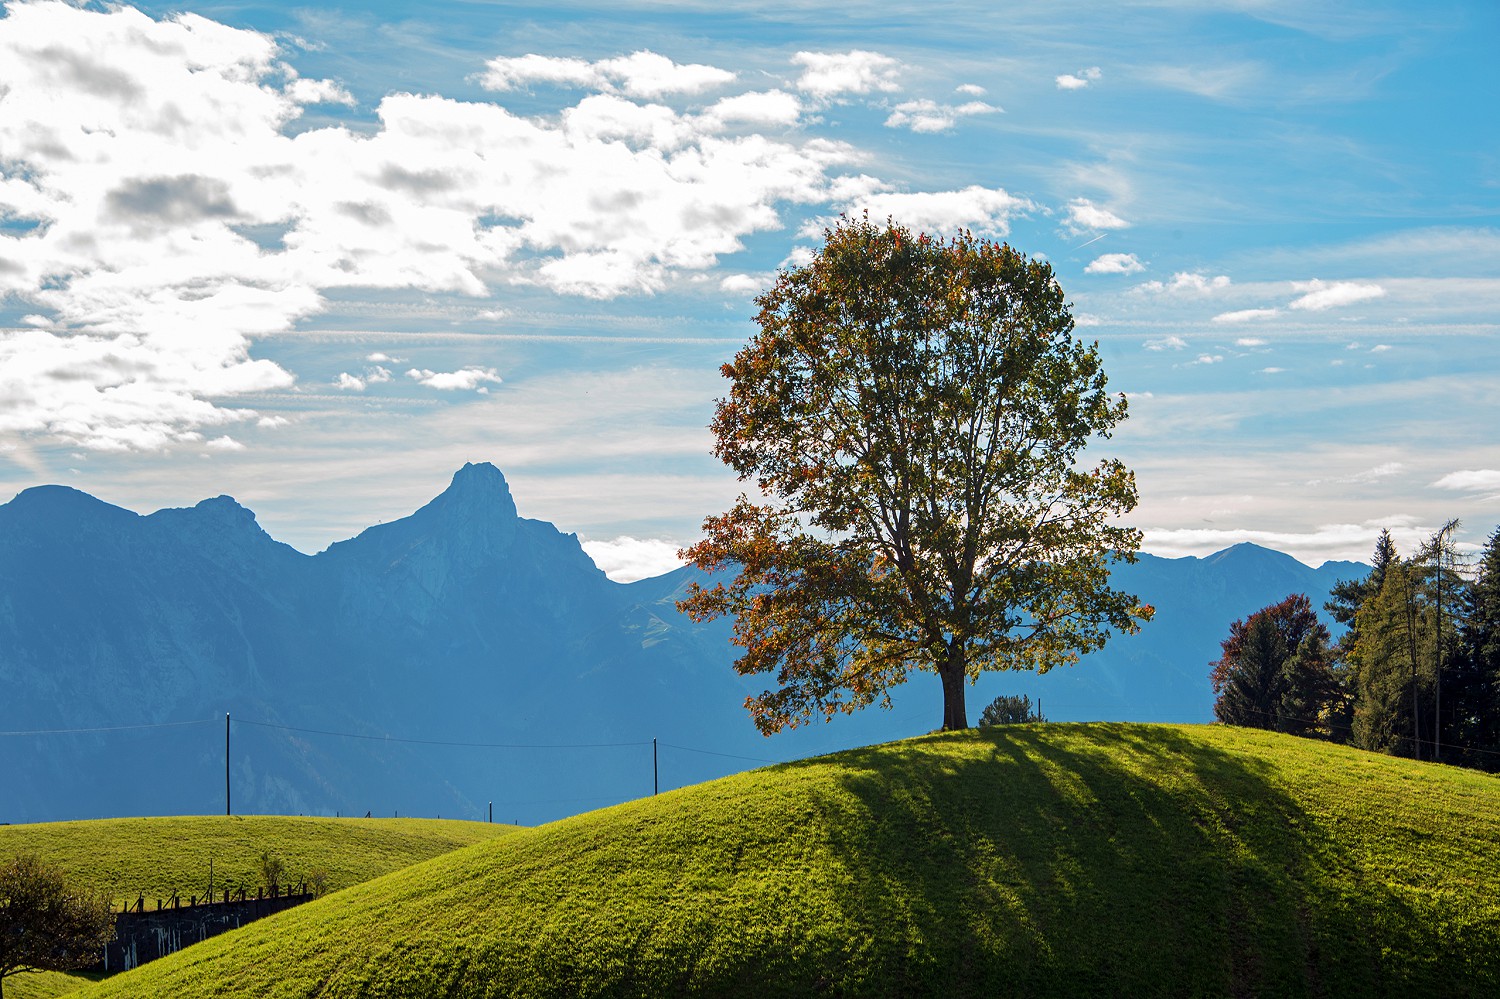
[45, 926]
[913, 413]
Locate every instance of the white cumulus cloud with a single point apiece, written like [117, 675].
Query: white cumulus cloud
[1085, 216]
[169, 213]
[1166, 343]
[929, 116]
[1115, 263]
[828, 74]
[1471, 480]
[640, 74]
[1245, 315]
[1079, 80]
[986, 211]
[1188, 283]
[1319, 295]
[468, 379]
[757, 108]
[742, 283]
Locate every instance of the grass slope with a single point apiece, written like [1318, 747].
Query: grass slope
[130, 858]
[1056, 860]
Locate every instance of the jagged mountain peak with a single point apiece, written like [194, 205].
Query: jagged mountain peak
[226, 509]
[472, 520]
[222, 530]
[476, 489]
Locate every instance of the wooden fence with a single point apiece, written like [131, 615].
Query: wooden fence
[144, 934]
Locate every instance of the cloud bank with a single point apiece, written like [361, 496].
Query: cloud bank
[160, 213]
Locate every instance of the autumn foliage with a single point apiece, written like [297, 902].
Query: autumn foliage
[912, 415]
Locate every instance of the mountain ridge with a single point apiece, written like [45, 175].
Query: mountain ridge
[462, 623]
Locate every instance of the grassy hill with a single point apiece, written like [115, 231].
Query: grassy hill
[130, 858]
[1054, 860]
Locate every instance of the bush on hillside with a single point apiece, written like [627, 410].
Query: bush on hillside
[1009, 709]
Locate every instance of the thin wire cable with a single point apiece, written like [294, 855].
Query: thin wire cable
[437, 742]
[1403, 739]
[112, 728]
[728, 756]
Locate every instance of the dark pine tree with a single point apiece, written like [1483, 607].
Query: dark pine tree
[1474, 685]
[1275, 671]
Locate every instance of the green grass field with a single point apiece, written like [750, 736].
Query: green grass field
[130, 858]
[1052, 860]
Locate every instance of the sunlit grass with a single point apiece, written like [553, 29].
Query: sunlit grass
[126, 859]
[1053, 860]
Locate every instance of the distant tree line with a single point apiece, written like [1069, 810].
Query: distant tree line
[1416, 673]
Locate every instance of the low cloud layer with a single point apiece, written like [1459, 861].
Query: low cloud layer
[627, 559]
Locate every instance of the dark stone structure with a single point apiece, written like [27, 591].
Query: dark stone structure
[143, 935]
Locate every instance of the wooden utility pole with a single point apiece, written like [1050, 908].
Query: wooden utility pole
[226, 764]
[655, 783]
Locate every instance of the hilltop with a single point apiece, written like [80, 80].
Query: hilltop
[1052, 860]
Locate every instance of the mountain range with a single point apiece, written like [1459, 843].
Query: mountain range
[458, 661]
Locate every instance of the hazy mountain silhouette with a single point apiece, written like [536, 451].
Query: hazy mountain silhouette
[462, 624]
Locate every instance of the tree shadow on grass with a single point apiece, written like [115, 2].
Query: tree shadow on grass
[1110, 860]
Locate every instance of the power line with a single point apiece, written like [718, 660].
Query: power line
[1400, 738]
[438, 742]
[727, 756]
[111, 728]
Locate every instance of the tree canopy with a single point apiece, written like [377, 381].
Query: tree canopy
[1275, 671]
[913, 413]
[45, 925]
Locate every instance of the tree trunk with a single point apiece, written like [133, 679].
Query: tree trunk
[954, 675]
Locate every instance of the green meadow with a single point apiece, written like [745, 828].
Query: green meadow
[1049, 860]
[126, 859]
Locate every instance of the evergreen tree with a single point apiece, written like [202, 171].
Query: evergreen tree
[1275, 671]
[1390, 679]
[1009, 709]
[1444, 591]
[1250, 691]
[1347, 595]
[1312, 698]
[1474, 683]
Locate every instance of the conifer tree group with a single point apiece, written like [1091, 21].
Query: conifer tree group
[1416, 673]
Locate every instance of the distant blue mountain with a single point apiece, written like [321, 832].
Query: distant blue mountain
[460, 656]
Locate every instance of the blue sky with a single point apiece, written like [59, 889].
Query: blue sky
[318, 258]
